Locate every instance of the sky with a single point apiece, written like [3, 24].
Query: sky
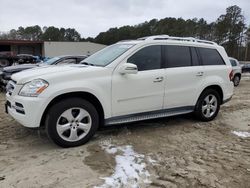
[90, 17]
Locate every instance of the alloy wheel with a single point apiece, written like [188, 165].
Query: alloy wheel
[209, 106]
[74, 124]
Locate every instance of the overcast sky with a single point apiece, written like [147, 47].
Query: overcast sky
[90, 17]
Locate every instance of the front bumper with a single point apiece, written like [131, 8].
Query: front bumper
[27, 111]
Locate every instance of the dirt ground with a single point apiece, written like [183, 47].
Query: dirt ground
[169, 152]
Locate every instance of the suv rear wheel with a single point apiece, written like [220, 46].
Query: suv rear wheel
[72, 122]
[208, 105]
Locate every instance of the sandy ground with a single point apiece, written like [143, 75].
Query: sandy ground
[169, 152]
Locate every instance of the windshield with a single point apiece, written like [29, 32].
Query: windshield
[51, 61]
[107, 55]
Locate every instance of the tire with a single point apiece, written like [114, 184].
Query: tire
[208, 105]
[236, 80]
[71, 122]
[4, 63]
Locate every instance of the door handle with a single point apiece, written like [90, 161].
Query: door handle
[199, 74]
[158, 79]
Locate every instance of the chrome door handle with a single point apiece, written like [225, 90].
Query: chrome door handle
[199, 74]
[158, 79]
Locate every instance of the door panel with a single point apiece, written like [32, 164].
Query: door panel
[182, 86]
[135, 93]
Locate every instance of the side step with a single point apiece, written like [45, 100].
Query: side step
[148, 115]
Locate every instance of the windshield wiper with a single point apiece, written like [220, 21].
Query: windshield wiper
[86, 63]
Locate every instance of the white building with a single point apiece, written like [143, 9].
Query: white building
[49, 48]
[52, 49]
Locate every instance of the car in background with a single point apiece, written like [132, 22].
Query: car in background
[237, 70]
[8, 58]
[60, 60]
[26, 58]
[245, 67]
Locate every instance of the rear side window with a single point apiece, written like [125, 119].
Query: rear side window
[210, 57]
[233, 63]
[178, 56]
[148, 58]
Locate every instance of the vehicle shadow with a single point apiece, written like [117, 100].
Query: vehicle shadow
[39, 136]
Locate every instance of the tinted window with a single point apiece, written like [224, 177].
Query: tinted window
[52, 60]
[147, 58]
[233, 63]
[67, 61]
[178, 56]
[210, 57]
[195, 59]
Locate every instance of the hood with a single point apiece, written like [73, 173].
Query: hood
[17, 68]
[47, 72]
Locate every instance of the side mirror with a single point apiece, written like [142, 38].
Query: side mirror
[128, 68]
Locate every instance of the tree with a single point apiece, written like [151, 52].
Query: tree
[72, 35]
[13, 34]
[52, 34]
[229, 28]
[33, 32]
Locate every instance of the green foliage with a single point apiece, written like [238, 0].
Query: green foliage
[171, 26]
[47, 33]
[55, 34]
[229, 29]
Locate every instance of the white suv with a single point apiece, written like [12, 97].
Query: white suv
[151, 77]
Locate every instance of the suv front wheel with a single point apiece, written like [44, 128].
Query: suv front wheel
[72, 122]
[208, 105]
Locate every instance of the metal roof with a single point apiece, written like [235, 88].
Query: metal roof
[9, 42]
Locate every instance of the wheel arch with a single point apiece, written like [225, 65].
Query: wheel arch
[84, 95]
[238, 74]
[216, 88]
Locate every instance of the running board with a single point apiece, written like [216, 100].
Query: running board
[148, 115]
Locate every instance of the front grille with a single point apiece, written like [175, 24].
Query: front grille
[10, 87]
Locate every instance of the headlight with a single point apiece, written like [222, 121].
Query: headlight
[34, 88]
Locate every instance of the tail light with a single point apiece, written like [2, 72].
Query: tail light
[231, 75]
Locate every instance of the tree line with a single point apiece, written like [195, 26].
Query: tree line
[229, 30]
[37, 33]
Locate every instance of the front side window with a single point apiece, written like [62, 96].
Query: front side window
[178, 56]
[210, 57]
[107, 55]
[148, 58]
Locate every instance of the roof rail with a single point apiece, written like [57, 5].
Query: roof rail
[167, 37]
[154, 37]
